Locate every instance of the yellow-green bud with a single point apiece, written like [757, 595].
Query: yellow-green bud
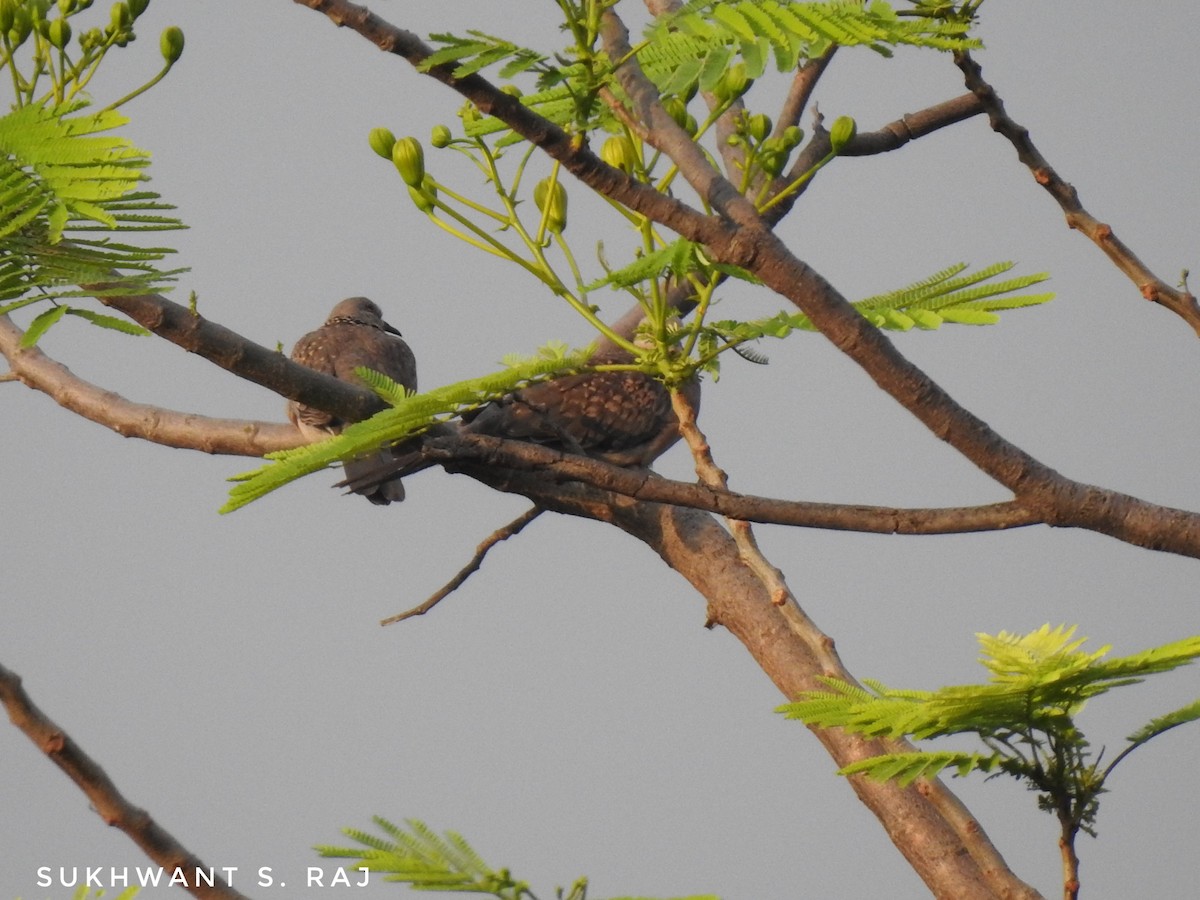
[66, 7]
[618, 151]
[758, 126]
[170, 44]
[441, 136]
[791, 137]
[772, 161]
[409, 157]
[21, 27]
[677, 110]
[59, 33]
[423, 196]
[550, 193]
[382, 141]
[120, 17]
[733, 83]
[8, 14]
[843, 131]
[137, 7]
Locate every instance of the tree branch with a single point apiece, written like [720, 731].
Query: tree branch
[36, 370]
[926, 821]
[246, 359]
[108, 802]
[1180, 302]
[512, 529]
[457, 452]
[1070, 504]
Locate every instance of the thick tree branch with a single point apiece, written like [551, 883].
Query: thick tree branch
[246, 359]
[455, 450]
[108, 802]
[756, 247]
[35, 369]
[927, 822]
[1070, 504]
[1180, 302]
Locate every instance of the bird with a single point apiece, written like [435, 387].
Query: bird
[622, 417]
[355, 334]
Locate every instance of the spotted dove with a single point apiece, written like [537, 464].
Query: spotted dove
[354, 335]
[622, 417]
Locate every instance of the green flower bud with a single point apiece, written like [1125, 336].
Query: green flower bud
[440, 137]
[468, 113]
[21, 27]
[170, 44]
[120, 17]
[792, 136]
[618, 151]
[409, 157]
[772, 161]
[93, 37]
[677, 110]
[758, 127]
[8, 14]
[382, 141]
[733, 83]
[843, 131]
[423, 196]
[66, 7]
[137, 7]
[81, 5]
[58, 33]
[552, 194]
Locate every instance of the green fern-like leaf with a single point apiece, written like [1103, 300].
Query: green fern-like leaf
[678, 259]
[63, 178]
[927, 304]
[416, 855]
[1039, 681]
[906, 768]
[409, 415]
[683, 50]
[479, 52]
[1155, 727]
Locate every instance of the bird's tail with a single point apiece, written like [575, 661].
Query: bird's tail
[377, 475]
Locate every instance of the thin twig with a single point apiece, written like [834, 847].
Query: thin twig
[764, 570]
[1181, 302]
[512, 529]
[108, 802]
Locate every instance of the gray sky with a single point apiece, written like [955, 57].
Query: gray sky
[566, 710]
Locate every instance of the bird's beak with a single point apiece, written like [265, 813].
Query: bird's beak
[390, 330]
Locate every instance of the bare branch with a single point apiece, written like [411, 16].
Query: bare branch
[804, 82]
[1064, 503]
[512, 529]
[108, 802]
[1180, 302]
[246, 359]
[891, 136]
[457, 451]
[238, 437]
